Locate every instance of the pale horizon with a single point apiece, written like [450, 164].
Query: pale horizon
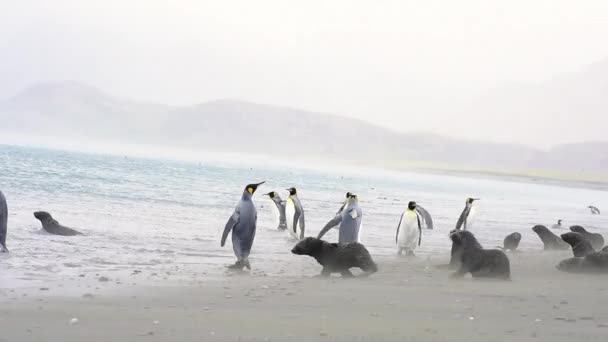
[461, 70]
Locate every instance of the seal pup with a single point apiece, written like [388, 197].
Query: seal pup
[596, 240]
[596, 262]
[242, 223]
[409, 231]
[594, 210]
[558, 225]
[511, 242]
[550, 240]
[481, 263]
[580, 246]
[294, 213]
[468, 215]
[457, 249]
[3, 223]
[349, 220]
[50, 225]
[336, 258]
[280, 209]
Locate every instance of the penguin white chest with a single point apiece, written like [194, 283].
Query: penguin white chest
[409, 233]
[471, 217]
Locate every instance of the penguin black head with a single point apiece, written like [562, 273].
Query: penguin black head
[559, 222]
[471, 200]
[251, 188]
[351, 195]
[348, 195]
[271, 194]
[411, 205]
[292, 191]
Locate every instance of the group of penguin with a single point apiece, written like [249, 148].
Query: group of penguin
[242, 223]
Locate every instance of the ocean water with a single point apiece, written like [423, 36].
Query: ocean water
[150, 220]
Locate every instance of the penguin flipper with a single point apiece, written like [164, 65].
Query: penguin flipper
[398, 227]
[462, 219]
[334, 222]
[428, 220]
[232, 221]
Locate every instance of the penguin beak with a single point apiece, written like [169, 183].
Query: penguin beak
[476, 199]
[261, 183]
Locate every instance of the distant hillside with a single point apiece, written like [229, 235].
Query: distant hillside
[79, 112]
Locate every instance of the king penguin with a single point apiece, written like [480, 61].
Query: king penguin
[294, 214]
[280, 209]
[349, 220]
[409, 231]
[594, 210]
[242, 223]
[3, 223]
[467, 217]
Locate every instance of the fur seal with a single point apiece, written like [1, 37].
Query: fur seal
[596, 240]
[456, 252]
[3, 223]
[511, 242]
[596, 262]
[550, 240]
[481, 263]
[50, 225]
[337, 258]
[580, 246]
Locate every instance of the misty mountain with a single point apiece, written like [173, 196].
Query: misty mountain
[74, 111]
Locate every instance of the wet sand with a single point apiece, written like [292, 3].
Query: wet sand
[407, 300]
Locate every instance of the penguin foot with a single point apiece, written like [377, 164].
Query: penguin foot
[237, 266]
[410, 254]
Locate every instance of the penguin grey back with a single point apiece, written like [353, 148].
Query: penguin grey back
[242, 223]
[280, 204]
[351, 222]
[3, 222]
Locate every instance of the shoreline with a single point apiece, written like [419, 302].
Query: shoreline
[561, 178]
[408, 299]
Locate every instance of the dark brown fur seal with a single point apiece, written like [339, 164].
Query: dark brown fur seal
[511, 242]
[456, 252]
[596, 240]
[337, 258]
[481, 263]
[550, 240]
[593, 263]
[50, 225]
[580, 246]
[3, 223]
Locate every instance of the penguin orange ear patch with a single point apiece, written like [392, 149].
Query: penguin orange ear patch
[250, 190]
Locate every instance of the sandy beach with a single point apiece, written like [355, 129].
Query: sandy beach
[407, 300]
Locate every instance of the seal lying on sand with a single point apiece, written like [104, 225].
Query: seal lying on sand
[511, 242]
[580, 246]
[337, 258]
[596, 262]
[596, 240]
[51, 226]
[3, 223]
[550, 240]
[487, 263]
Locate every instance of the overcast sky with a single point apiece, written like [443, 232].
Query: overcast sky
[381, 61]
